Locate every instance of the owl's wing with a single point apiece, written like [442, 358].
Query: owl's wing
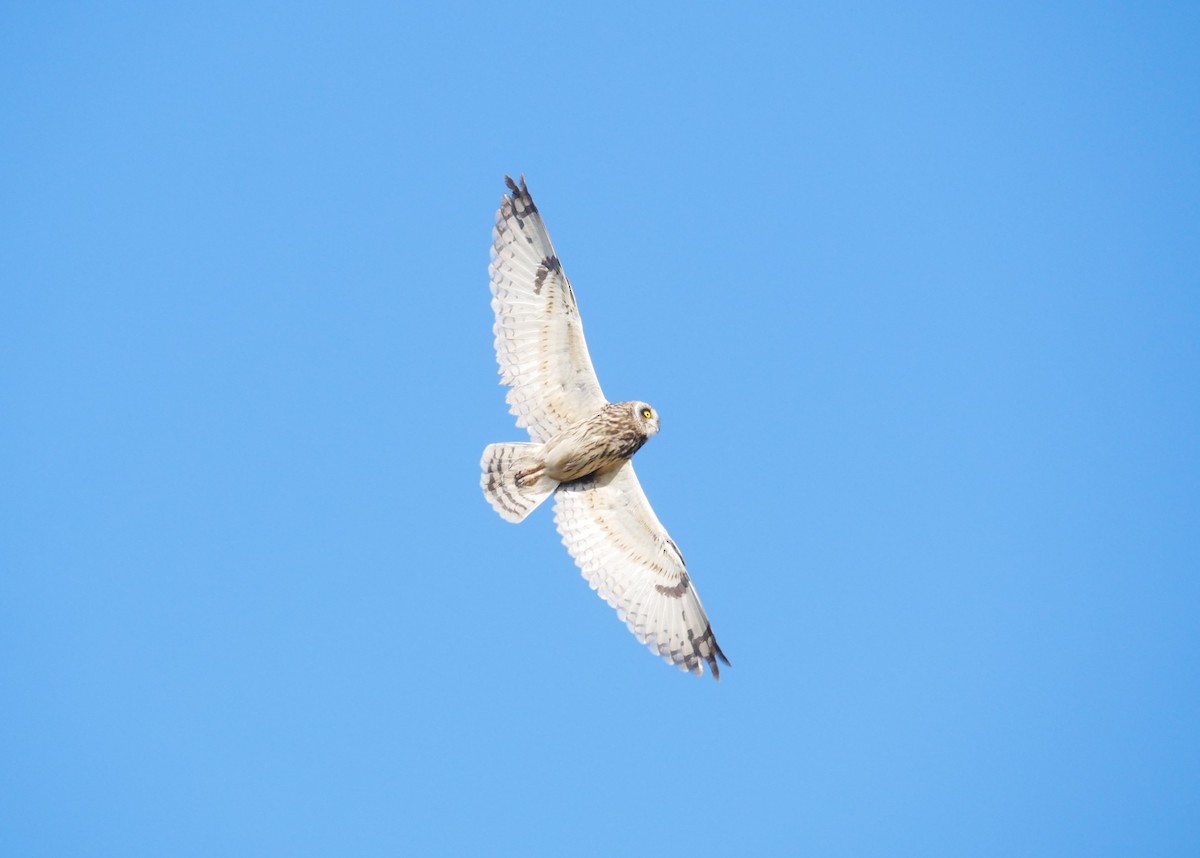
[539, 338]
[628, 558]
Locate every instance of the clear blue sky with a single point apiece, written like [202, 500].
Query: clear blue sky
[915, 288]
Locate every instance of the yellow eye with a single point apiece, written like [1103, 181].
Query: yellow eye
[646, 413]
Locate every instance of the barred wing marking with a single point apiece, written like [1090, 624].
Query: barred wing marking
[539, 337]
[630, 561]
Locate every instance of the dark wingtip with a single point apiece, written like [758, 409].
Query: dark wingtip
[517, 190]
[519, 194]
[712, 662]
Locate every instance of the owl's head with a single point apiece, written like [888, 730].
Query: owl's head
[645, 418]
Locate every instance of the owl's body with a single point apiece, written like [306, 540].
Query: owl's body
[609, 437]
[581, 447]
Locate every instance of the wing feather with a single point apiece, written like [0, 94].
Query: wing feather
[540, 347]
[627, 557]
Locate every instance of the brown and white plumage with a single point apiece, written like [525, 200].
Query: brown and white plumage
[539, 337]
[630, 561]
[581, 446]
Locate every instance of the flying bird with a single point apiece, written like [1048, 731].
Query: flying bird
[580, 447]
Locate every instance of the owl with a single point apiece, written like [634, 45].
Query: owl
[581, 448]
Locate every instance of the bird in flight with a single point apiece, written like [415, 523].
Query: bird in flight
[581, 447]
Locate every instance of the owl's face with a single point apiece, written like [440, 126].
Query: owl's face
[645, 417]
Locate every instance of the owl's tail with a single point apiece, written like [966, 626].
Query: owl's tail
[513, 479]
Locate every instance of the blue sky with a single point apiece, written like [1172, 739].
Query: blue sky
[914, 287]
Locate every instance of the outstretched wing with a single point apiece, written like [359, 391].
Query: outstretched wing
[539, 338]
[628, 558]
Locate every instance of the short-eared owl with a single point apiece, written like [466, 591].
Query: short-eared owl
[581, 446]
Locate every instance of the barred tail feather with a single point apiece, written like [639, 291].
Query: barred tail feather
[513, 481]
